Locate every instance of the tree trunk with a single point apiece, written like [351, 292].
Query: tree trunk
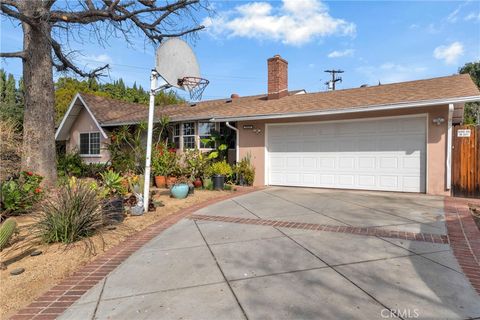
[38, 123]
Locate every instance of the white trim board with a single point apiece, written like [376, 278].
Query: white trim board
[69, 110]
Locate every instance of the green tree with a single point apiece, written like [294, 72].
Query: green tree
[11, 99]
[471, 113]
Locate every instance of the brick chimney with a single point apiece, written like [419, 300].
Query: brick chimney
[277, 77]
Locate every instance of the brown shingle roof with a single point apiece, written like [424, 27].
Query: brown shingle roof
[111, 112]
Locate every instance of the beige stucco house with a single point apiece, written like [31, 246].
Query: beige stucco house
[391, 137]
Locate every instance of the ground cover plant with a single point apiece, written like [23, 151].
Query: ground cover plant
[20, 193]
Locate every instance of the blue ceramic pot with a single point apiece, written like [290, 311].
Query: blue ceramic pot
[179, 191]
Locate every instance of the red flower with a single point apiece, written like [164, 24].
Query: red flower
[38, 190]
[30, 173]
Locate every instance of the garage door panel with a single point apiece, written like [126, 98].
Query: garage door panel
[326, 163]
[354, 155]
[366, 181]
[346, 163]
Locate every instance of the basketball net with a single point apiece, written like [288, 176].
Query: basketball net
[194, 85]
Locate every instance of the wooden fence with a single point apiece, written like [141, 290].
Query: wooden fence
[466, 161]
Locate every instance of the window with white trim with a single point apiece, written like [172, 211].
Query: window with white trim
[205, 130]
[189, 135]
[176, 135]
[90, 143]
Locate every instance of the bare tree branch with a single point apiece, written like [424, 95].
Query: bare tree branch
[18, 54]
[15, 14]
[110, 12]
[12, 3]
[65, 64]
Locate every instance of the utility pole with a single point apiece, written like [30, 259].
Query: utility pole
[331, 83]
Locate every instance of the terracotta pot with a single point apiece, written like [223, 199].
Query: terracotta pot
[160, 181]
[197, 183]
[171, 181]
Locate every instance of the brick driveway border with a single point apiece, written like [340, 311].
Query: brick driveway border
[464, 237]
[363, 231]
[55, 301]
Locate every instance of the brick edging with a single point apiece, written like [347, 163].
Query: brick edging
[370, 231]
[55, 301]
[464, 238]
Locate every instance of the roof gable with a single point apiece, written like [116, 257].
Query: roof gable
[70, 117]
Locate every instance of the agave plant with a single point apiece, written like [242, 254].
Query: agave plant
[113, 183]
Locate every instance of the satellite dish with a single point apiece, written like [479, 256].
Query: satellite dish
[175, 61]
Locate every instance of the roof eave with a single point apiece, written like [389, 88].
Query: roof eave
[415, 104]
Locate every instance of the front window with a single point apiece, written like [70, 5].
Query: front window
[205, 130]
[90, 143]
[189, 135]
[176, 135]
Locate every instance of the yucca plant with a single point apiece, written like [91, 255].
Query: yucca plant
[73, 215]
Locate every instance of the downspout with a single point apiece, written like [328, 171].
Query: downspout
[449, 146]
[237, 150]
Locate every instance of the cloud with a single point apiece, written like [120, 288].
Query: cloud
[392, 72]
[101, 58]
[295, 22]
[453, 16]
[339, 54]
[449, 53]
[472, 16]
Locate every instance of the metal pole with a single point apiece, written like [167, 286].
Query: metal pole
[148, 158]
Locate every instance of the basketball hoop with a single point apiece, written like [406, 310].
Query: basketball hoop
[194, 85]
[176, 64]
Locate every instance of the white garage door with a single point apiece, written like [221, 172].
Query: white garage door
[382, 154]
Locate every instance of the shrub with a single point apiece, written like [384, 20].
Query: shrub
[164, 162]
[93, 170]
[196, 163]
[245, 171]
[221, 168]
[20, 193]
[74, 214]
[71, 164]
[113, 183]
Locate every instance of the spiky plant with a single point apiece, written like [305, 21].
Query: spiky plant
[75, 214]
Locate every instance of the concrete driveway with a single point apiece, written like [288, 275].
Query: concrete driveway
[206, 268]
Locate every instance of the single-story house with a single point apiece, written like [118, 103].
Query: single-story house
[391, 137]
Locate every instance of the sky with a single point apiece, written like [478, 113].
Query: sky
[372, 41]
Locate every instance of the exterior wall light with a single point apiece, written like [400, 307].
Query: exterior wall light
[438, 121]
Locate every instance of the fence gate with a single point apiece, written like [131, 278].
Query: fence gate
[466, 161]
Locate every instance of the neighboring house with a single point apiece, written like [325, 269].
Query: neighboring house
[392, 137]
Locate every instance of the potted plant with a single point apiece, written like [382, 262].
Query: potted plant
[180, 189]
[162, 162]
[245, 172]
[112, 184]
[175, 170]
[196, 164]
[220, 170]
